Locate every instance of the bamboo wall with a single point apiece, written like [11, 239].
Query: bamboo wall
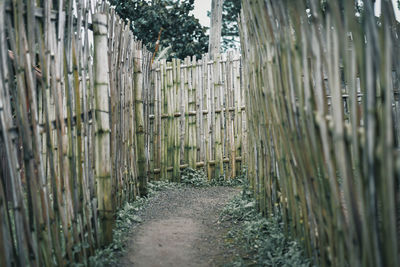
[197, 117]
[86, 121]
[322, 98]
[72, 79]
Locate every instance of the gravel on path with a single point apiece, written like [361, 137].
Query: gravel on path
[181, 227]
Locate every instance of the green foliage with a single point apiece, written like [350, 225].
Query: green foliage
[262, 239]
[230, 28]
[156, 186]
[222, 181]
[182, 31]
[195, 178]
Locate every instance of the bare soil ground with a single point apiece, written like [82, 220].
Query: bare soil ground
[181, 227]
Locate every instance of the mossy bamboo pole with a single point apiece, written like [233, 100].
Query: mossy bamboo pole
[230, 72]
[139, 120]
[185, 103]
[209, 137]
[217, 124]
[199, 107]
[102, 148]
[6, 252]
[165, 119]
[176, 96]
[193, 112]
[157, 119]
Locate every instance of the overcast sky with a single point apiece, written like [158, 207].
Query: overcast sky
[200, 11]
[202, 6]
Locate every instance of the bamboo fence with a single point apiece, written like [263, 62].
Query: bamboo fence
[322, 98]
[72, 80]
[197, 117]
[85, 121]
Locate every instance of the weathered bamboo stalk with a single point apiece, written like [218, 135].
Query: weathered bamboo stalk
[139, 119]
[102, 148]
[192, 120]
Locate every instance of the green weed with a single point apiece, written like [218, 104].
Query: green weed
[262, 240]
[195, 178]
[237, 181]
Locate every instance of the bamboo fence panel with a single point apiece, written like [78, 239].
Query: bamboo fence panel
[85, 121]
[196, 117]
[321, 91]
[74, 91]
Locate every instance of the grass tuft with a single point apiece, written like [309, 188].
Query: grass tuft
[262, 240]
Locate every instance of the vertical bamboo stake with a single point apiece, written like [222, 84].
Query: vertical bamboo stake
[216, 26]
[230, 111]
[219, 165]
[139, 116]
[164, 118]
[176, 65]
[192, 92]
[170, 156]
[185, 102]
[102, 148]
[209, 111]
[6, 252]
[199, 107]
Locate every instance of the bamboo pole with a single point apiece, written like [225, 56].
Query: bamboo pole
[217, 112]
[215, 29]
[102, 153]
[185, 110]
[231, 117]
[139, 116]
[193, 113]
[176, 100]
[164, 119]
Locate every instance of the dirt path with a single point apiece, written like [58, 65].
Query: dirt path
[181, 228]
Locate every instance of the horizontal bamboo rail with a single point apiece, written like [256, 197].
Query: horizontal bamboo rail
[323, 125]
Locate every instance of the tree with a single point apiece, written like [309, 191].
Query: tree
[215, 30]
[230, 27]
[182, 31]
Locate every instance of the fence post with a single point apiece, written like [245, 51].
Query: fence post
[102, 128]
[139, 120]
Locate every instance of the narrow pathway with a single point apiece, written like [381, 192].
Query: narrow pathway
[181, 227]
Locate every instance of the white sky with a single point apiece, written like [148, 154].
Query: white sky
[202, 6]
[200, 11]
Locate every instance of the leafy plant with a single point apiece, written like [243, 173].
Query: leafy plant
[195, 178]
[262, 239]
[237, 181]
[156, 186]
